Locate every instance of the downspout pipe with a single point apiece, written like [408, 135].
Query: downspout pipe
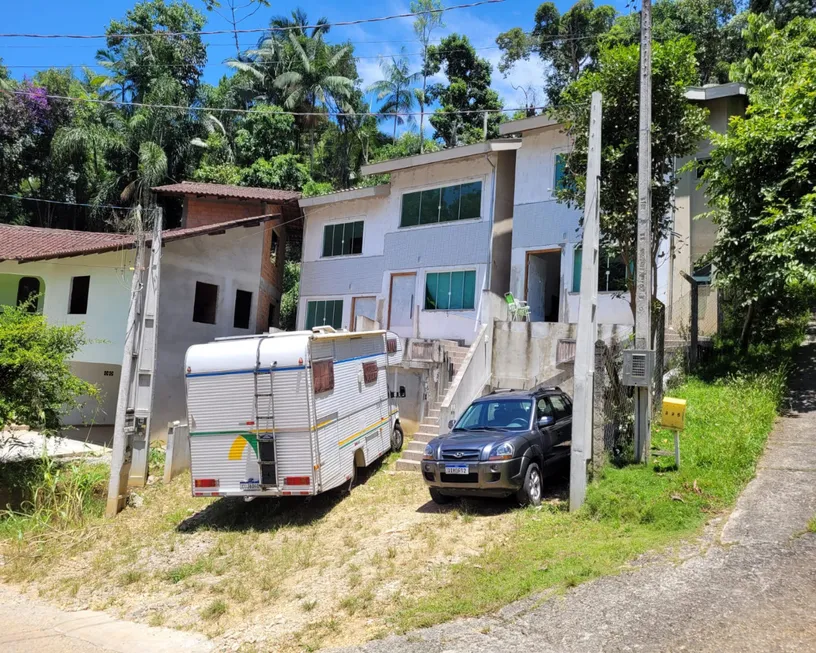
[491, 218]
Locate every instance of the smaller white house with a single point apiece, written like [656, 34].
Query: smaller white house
[210, 287]
[419, 255]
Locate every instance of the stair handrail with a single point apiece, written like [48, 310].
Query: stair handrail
[470, 379]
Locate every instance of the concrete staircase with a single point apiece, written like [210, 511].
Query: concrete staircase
[429, 426]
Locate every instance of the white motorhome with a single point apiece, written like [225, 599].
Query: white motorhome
[289, 413]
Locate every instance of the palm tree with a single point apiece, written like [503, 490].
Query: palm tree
[314, 80]
[395, 91]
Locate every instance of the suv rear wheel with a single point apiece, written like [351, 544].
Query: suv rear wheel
[530, 492]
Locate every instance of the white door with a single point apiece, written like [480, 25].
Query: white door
[365, 307]
[401, 304]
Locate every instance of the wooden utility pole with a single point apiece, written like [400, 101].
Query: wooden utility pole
[583, 408]
[122, 446]
[643, 294]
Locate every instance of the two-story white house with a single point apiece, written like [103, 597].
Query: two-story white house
[419, 255]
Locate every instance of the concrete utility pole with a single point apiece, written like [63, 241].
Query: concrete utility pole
[121, 452]
[583, 409]
[142, 393]
[643, 295]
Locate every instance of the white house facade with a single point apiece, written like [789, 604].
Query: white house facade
[418, 255]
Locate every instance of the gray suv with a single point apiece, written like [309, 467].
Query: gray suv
[501, 446]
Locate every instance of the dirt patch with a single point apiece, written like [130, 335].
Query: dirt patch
[267, 575]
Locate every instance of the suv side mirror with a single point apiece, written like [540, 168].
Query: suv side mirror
[451, 422]
[545, 421]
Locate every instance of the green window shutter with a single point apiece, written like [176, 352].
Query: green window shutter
[337, 320]
[576, 270]
[431, 280]
[457, 288]
[410, 209]
[443, 291]
[328, 236]
[311, 310]
[560, 171]
[348, 229]
[357, 238]
[337, 240]
[469, 292]
[470, 205]
[429, 209]
[320, 314]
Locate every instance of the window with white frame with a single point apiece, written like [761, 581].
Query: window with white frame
[445, 204]
[450, 291]
[343, 239]
[324, 313]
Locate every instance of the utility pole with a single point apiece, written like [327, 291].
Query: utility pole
[122, 446]
[146, 346]
[643, 294]
[583, 409]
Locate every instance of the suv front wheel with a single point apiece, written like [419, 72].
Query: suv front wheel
[439, 498]
[530, 492]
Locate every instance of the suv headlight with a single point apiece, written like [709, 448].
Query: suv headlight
[503, 451]
[430, 450]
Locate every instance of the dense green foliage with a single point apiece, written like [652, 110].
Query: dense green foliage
[35, 374]
[761, 180]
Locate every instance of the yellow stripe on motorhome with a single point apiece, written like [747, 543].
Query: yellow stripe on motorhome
[236, 451]
[366, 429]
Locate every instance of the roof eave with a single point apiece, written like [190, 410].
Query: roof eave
[708, 93]
[381, 190]
[527, 124]
[442, 156]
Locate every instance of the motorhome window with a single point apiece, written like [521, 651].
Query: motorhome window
[391, 345]
[370, 371]
[343, 239]
[78, 302]
[27, 290]
[243, 307]
[323, 375]
[324, 313]
[205, 303]
[445, 204]
[450, 291]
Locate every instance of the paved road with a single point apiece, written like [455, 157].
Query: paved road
[752, 588]
[31, 626]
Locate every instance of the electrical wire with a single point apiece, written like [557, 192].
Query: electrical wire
[256, 30]
[93, 206]
[328, 112]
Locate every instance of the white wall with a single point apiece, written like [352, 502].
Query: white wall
[108, 298]
[535, 164]
[461, 245]
[231, 261]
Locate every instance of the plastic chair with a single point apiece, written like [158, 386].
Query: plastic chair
[519, 310]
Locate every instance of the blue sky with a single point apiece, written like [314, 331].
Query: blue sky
[480, 24]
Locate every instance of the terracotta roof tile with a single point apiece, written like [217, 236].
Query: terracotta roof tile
[36, 243]
[227, 191]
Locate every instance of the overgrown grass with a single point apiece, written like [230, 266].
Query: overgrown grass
[628, 511]
[46, 495]
[811, 527]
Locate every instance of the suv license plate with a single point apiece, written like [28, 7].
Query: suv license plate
[457, 469]
[250, 486]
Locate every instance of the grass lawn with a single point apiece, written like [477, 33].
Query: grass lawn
[344, 568]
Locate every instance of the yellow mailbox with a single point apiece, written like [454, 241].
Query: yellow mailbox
[674, 413]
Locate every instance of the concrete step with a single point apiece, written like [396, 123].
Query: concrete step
[408, 465]
[434, 413]
[411, 455]
[415, 445]
[429, 421]
[425, 438]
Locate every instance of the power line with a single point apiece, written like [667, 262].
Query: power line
[344, 23]
[328, 112]
[93, 206]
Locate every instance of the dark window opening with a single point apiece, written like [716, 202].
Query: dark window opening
[343, 239]
[270, 317]
[321, 313]
[323, 375]
[273, 248]
[243, 307]
[78, 303]
[445, 204]
[206, 302]
[27, 290]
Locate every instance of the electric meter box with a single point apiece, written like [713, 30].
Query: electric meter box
[638, 367]
[674, 413]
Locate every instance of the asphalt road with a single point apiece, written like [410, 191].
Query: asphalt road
[749, 585]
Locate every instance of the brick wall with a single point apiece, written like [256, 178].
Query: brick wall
[273, 273]
[200, 211]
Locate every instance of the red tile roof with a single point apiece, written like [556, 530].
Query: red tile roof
[24, 244]
[227, 191]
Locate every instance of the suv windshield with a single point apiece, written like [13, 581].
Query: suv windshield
[501, 414]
